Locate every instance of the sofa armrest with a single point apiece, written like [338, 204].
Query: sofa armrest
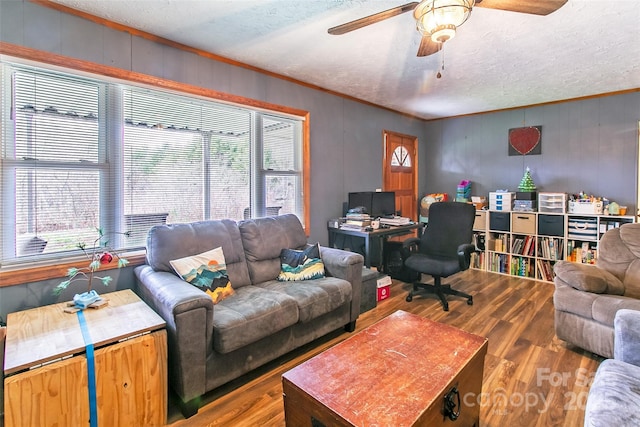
[587, 278]
[188, 313]
[626, 342]
[348, 266]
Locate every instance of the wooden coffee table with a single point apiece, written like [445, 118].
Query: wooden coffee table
[46, 372]
[396, 372]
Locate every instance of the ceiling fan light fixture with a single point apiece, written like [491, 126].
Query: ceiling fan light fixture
[440, 18]
[443, 33]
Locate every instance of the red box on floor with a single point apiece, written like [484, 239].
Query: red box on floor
[384, 287]
[383, 292]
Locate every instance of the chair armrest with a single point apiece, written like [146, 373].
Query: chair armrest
[587, 278]
[348, 266]
[626, 342]
[411, 242]
[464, 255]
[188, 313]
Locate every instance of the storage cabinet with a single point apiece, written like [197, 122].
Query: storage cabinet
[46, 365]
[528, 244]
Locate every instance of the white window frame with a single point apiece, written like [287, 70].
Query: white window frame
[110, 167]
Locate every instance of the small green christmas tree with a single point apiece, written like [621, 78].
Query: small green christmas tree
[526, 184]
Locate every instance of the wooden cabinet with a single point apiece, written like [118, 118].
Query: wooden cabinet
[46, 381]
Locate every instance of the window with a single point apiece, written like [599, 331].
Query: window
[401, 157]
[80, 153]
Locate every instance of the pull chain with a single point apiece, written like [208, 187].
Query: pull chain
[439, 75]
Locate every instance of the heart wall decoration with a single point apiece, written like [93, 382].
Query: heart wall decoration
[525, 141]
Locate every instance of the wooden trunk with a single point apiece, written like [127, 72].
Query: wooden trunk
[396, 372]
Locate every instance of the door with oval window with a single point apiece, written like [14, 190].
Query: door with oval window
[400, 171]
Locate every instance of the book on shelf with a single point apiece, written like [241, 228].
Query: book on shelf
[545, 270]
[528, 246]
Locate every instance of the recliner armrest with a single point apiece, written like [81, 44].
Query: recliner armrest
[626, 342]
[587, 278]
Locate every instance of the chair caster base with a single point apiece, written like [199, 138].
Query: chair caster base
[440, 291]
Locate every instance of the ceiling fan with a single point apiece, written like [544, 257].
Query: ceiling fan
[437, 20]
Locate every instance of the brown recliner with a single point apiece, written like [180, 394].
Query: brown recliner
[587, 297]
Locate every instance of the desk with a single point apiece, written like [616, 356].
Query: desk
[382, 234]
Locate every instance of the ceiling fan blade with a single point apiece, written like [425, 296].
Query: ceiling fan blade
[428, 46]
[534, 7]
[371, 19]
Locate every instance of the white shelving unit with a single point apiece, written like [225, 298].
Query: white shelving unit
[528, 244]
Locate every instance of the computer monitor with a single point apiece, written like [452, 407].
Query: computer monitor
[375, 203]
[383, 204]
[362, 198]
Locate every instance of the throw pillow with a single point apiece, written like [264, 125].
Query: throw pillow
[301, 264]
[207, 271]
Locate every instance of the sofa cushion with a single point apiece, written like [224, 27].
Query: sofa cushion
[614, 397]
[264, 238]
[588, 278]
[314, 297]
[249, 315]
[174, 241]
[304, 264]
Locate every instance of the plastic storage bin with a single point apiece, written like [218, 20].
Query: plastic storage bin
[501, 201]
[552, 202]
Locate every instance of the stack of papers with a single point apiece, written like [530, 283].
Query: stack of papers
[396, 220]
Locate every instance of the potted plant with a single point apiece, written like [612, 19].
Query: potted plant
[99, 254]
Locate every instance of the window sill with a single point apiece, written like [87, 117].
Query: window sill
[16, 275]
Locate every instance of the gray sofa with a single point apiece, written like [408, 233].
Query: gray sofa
[614, 397]
[209, 344]
[587, 297]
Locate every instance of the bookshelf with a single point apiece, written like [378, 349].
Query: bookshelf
[528, 244]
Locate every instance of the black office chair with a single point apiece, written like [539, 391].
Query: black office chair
[444, 248]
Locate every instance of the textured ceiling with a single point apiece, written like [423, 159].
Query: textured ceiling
[497, 60]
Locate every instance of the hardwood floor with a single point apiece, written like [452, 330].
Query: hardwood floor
[530, 377]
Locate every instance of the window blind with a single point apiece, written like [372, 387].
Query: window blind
[81, 153]
[54, 154]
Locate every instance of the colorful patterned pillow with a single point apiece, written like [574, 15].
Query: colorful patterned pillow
[207, 271]
[301, 265]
